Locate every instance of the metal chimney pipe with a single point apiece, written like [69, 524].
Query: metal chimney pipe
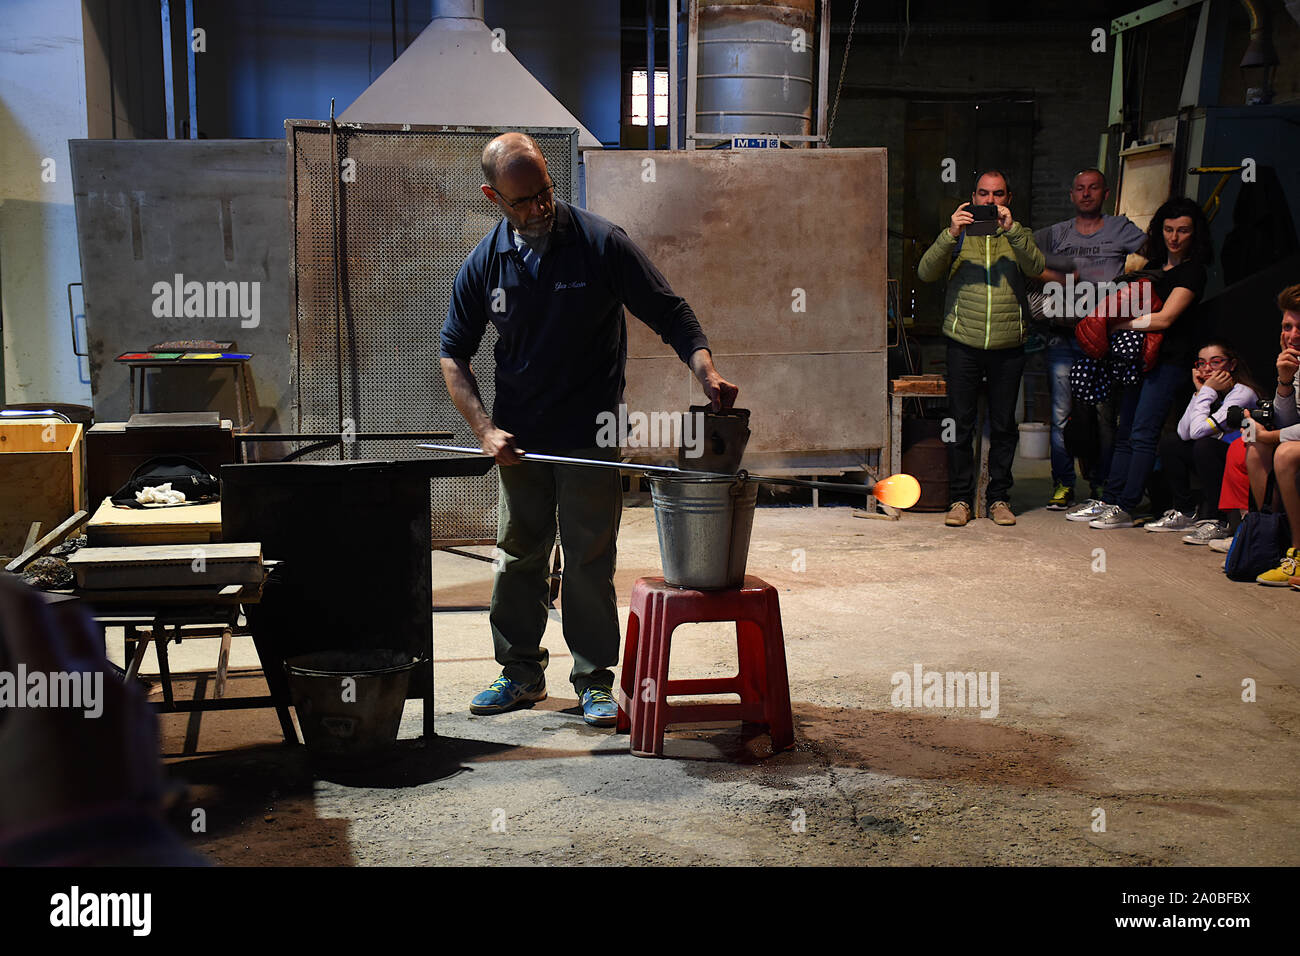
[448, 76]
[1260, 51]
[650, 72]
[1260, 55]
[458, 9]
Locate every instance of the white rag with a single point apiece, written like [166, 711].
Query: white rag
[160, 495]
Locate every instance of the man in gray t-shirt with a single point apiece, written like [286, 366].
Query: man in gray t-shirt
[1094, 248]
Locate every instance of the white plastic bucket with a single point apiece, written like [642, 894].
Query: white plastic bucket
[1035, 440]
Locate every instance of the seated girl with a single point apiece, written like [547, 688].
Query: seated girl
[1201, 446]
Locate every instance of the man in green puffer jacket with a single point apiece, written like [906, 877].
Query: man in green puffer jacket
[985, 315]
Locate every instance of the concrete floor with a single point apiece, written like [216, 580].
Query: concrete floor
[1121, 735]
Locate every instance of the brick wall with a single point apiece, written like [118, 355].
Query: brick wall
[1050, 63]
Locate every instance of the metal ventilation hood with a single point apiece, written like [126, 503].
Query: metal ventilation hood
[452, 76]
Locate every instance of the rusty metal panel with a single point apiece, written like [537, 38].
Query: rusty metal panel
[209, 210]
[748, 238]
[409, 210]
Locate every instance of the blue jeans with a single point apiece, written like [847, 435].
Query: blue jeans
[1143, 410]
[1062, 353]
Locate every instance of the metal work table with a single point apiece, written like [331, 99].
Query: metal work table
[208, 611]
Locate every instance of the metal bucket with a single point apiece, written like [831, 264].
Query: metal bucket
[349, 703]
[704, 526]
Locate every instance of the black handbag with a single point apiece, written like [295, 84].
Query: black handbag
[185, 474]
[1260, 541]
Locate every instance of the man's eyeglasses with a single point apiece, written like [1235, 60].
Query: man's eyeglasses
[542, 198]
[1217, 362]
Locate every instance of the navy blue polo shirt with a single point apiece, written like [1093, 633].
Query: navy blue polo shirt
[562, 349]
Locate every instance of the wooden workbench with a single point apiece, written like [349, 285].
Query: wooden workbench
[191, 524]
[158, 615]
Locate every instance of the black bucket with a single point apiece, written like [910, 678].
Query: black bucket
[349, 703]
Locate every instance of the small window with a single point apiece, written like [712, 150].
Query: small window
[639, 97]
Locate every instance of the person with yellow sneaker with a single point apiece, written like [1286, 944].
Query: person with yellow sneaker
[1284, 573]
[1277, 450]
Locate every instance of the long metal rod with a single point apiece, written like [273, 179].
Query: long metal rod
[317, 442]
[692, 56]
[189, 69]
[667, 471]
[168, 95]
[335, 200]
[674, 68]
[650, 71]
[823, 71]
[112, 100]
[335, 436]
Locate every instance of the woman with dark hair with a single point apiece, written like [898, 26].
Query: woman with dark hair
[1177, 251]
[1221, 381]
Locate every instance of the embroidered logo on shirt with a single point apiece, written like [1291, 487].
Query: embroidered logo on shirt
[570, 285]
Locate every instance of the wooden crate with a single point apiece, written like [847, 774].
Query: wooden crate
[168, 565]
[42, 478]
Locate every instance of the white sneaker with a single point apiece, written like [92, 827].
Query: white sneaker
[1221, 545]
[1086, 510]
[1206, 531]
[1172, 520]
[1113, 517]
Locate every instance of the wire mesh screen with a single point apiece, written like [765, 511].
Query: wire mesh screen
[404, 209]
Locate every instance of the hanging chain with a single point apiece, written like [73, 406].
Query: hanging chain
[848, 44]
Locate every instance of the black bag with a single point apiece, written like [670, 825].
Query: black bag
[1259, 543]
[1082, 434]
[185, 474]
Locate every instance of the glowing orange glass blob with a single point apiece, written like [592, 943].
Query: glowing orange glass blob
[898, 491]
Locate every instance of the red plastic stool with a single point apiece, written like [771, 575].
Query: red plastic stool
[764, 688]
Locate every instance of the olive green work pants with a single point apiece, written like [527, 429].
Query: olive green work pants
[589, 504]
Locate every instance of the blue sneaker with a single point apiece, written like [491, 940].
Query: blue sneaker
[506, 694]
[598, 707]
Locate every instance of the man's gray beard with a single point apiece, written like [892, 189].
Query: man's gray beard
[540, 243]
